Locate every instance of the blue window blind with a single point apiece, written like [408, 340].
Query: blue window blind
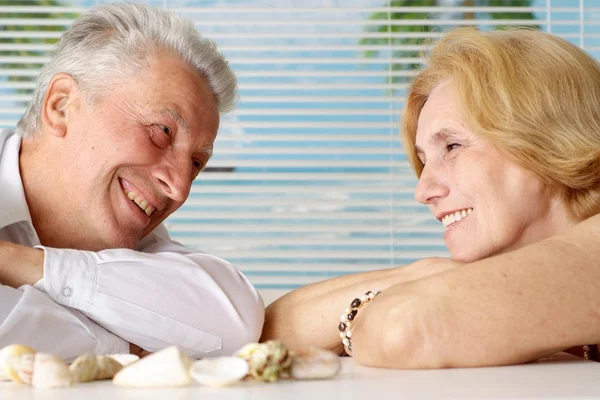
[309, 180]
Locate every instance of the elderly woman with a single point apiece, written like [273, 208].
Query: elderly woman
[503, 131]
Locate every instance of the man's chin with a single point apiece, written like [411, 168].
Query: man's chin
[115, 242]
[125, 243]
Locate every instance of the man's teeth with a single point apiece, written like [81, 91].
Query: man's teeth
[456, 216]
[141, 202]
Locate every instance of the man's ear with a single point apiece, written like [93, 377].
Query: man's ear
[60, 102]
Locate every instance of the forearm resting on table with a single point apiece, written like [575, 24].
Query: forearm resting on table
[20, 265]
[508, 309]
[309, 315]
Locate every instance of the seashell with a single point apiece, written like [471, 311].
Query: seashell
[124, 359]
[50, 371]
[220, 371]
[259, 358]
[84, 368]
[14, 350]
[315, 364]
[267, 361]
[107, 368]
[271, 373]
[246, 351]
[90, 367]
[20, 368]
[167, 367]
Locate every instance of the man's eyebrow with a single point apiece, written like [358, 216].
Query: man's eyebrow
[176, 115]
[208, 149]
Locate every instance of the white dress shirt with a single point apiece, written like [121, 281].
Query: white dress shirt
[163, 294]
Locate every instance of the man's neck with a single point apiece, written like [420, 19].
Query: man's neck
[38, 178]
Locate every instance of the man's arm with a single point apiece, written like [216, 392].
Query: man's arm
[29, 317]
[165, 295]
[26, 311]
[20, 265]
[309, 315]
[508, 309]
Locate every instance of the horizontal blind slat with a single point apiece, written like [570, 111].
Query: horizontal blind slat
[309, 179]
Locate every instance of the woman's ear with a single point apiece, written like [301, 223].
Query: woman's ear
[59, 103]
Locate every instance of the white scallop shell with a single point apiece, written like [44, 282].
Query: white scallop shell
[166, 368]
[316, 363]
[124, 359]
[219, 371]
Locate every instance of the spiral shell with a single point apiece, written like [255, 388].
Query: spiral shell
[47, 371]
[84, 368]
[267, 362]
[7, 353]
[90, 367]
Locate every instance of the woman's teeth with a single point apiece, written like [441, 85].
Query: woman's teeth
[456, 216]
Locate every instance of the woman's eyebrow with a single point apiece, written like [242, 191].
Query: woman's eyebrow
[440, 136]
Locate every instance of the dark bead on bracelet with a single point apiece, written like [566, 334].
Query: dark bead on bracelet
[355, 303]
[342, 327]
[352, 315]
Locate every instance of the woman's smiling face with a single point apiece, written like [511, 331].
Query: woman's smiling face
[487, 203]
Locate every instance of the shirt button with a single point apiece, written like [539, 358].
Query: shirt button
[30, 230]
[67, 291]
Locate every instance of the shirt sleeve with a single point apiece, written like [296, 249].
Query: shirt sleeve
[164, 295]
[29, 317]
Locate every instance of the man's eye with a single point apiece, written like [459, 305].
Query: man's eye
[161, 140]
[165, 129]
[197, 164]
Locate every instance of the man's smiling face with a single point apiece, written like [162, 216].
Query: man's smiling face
[128, 160]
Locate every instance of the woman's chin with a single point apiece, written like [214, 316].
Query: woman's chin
[464, 255]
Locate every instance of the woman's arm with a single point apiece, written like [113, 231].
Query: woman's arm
[310, 315]
[507, 309]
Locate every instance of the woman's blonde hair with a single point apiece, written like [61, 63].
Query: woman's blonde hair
[534, 96]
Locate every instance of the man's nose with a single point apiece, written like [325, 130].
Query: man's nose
[430, 187]
[175, 178]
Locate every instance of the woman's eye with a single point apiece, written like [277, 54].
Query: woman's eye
[197, 164]
[452, 146]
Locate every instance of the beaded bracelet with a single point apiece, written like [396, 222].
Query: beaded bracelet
[345, 326]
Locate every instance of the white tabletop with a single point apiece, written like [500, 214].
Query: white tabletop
[561, 376]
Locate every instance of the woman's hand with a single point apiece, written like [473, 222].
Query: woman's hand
[310, 315]
[508, 309]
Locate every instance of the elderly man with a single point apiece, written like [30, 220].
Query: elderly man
[122, 121]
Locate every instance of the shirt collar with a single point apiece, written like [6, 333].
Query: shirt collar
[13, 206]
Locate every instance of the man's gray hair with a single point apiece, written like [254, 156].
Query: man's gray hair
[113, 41]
